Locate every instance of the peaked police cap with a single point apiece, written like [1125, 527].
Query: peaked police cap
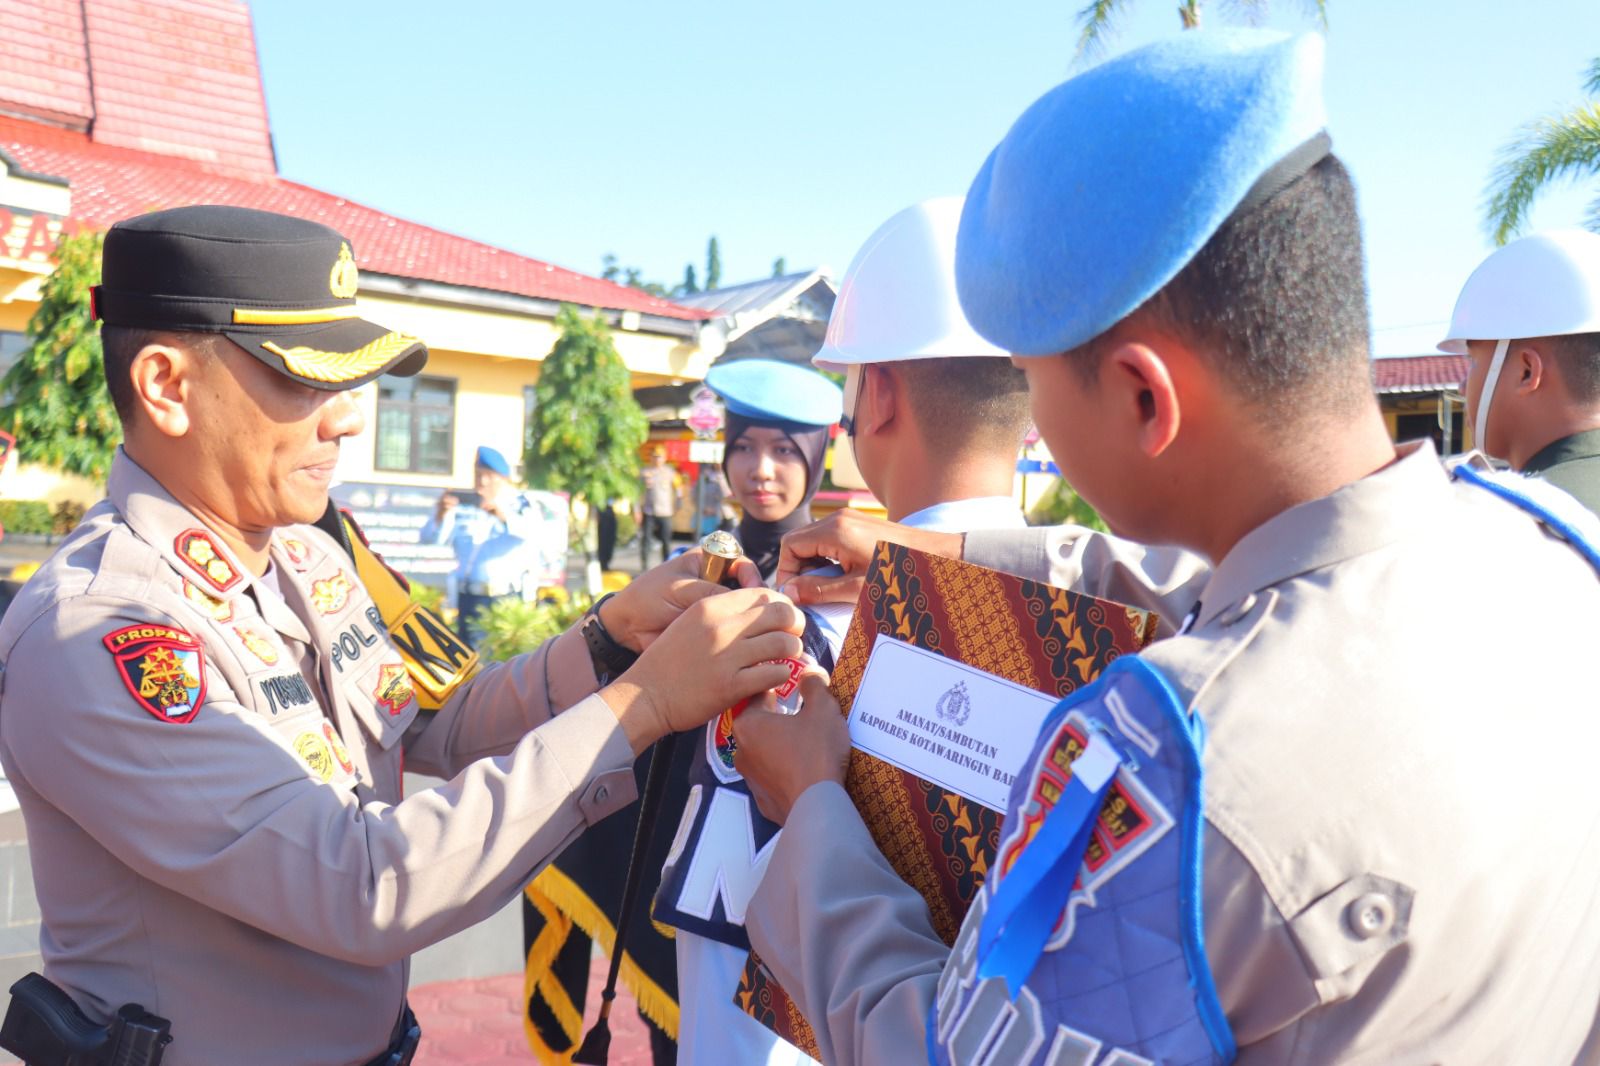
[1111, 182]
[281, 288]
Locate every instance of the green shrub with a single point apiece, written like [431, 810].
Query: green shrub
[512, 626]
[430, 598]
[1060, 505]
[627, 528]
[27, 516]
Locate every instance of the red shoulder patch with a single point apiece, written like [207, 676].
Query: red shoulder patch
[195, 547]
[163, 668]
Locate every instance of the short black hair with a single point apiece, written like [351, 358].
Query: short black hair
[120, 344]
[976, 402]
[1577, 356]
[1277, 297]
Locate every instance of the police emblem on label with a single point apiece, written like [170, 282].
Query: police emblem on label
[195, 547]
[720, 748]
[313, 750]
[330, 594]
[955, 705]
[1131, 820]
[258, 645]
[393, 690]
[162, 667]
[344, 279]
[221, 610]
[340, 752]
[298, 553]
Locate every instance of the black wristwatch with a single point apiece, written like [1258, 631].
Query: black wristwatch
[609, 657]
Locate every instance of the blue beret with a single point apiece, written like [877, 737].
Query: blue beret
[769, 391]
[490, 459]
[1110, 183]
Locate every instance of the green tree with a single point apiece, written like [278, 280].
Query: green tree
[56, 402]
[713, 263]
[688, 285]
[586, 430]
[1097, 19]
[780, 267]
[1549, 148]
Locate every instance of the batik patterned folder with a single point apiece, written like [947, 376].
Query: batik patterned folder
[1036, 635]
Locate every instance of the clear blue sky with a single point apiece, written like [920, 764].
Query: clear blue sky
[565, 131]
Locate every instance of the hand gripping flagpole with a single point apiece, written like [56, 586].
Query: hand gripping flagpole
[720, 552]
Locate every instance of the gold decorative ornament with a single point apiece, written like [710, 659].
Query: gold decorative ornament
[721, 549]
[318, 365]
[344, 278]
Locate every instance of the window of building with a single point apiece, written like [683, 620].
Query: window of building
[416, 424]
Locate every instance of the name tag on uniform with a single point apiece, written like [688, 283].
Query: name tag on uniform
[963, 729]
[438, 660]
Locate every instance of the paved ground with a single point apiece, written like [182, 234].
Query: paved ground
[479, 1023]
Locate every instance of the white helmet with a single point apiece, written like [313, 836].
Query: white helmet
[1543, 285]
[898, 299]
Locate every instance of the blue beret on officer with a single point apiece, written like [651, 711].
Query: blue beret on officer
[1111, 182]
[490, 459]
[766, 390]
[282, 288]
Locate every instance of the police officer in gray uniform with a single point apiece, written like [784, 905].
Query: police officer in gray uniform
[204, 714]
[1282, 835]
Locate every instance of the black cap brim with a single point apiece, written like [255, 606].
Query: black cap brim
[337, 355]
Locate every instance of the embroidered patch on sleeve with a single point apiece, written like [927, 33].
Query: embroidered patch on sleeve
[394, 688]
[330, 594]
[340, 752]
[312, 747]
[195, 547]
[162, 667]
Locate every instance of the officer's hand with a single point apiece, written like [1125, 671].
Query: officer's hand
[718, 652]
[782, 755]
[650, 603]
[446, 504]
[847, 537]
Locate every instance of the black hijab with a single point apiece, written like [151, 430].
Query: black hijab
[761, 540]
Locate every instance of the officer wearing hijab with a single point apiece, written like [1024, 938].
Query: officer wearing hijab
[778, 421]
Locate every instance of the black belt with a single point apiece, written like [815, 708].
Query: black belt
[401, 1050]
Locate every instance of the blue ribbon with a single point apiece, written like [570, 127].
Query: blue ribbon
[1032, 896]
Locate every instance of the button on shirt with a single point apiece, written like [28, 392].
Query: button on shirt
[210, 773]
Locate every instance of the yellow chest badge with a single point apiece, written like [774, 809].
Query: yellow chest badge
[258, 645]
[330, 594]
[195, 547]
[221, 610]
[312, 747]
[394, 688]
[344, 279]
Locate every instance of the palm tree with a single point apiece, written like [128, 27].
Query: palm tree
[1555, 146]
[1097, 17]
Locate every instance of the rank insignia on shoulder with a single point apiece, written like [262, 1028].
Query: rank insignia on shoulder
[394, 688]
[330, 594]
[299, 555]
[220, 610]
[195, 547]
[163, 668]
[258, 645]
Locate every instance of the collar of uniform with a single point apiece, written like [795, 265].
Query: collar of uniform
[963, 516]
[1585, 445]
[1359, 518]
[160, 520]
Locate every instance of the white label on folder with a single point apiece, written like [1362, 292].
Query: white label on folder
[961, 728]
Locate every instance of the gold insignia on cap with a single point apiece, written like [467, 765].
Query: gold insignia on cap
[318, 365]
[343, 279]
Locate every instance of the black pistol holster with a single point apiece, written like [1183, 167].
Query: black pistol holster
[43, 1027]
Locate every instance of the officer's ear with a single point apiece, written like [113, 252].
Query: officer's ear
[1528, 367]
[1139, 380]
[163, 378]
[878, 402]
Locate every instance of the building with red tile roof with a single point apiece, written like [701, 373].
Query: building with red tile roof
[110, 108]
[1420, 395]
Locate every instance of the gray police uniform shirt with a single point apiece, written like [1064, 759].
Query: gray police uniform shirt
[1396, 683]
[241, 860]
